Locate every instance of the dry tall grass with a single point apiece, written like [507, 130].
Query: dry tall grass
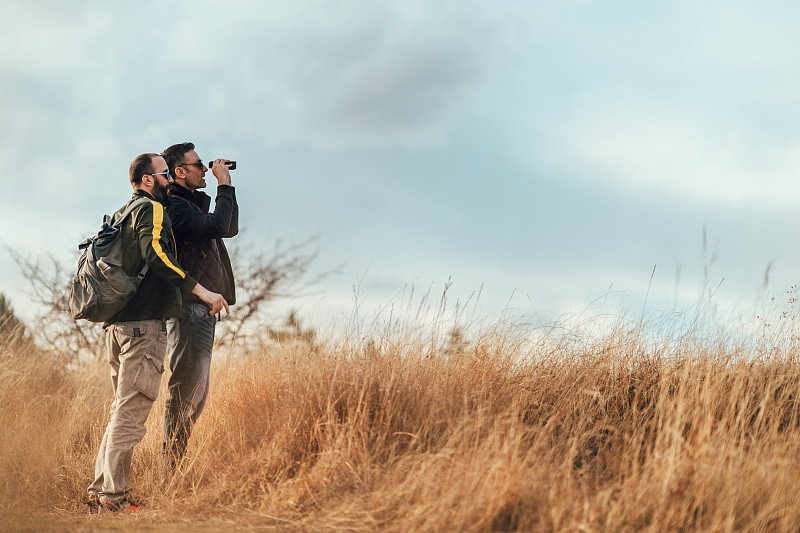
[624, 431]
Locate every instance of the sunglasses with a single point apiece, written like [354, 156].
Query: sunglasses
[198, 164]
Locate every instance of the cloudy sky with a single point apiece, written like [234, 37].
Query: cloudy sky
[544, 153]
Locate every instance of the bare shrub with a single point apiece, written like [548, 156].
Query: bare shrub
[260, 278]
[55, 329]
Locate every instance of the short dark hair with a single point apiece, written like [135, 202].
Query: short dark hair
[141, 165]
[174, 155]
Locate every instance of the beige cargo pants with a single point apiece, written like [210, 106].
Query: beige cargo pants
[136, 355]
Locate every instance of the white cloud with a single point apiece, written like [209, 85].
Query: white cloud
[351, 73]
[636, 144]
[345, 73]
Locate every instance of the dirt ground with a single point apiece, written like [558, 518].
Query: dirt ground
[73, 523]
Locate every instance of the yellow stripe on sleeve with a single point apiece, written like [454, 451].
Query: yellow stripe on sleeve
[158, 221]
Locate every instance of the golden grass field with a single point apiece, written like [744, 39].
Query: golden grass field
[556, 430]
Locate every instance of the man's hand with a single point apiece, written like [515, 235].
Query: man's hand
[213, 299]
[221, 172]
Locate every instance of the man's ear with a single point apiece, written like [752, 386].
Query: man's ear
[180, 172]
[148, 180]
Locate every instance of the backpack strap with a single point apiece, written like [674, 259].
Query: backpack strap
[124, 215]
[108, 221]
[129, 210]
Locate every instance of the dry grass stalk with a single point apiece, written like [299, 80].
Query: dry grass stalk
[618, 432]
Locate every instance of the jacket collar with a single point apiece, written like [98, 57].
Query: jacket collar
[138, 193]
[198, 198]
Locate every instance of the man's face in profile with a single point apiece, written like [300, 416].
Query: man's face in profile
[161, 180]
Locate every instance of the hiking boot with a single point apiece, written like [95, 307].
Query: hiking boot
[121, 506]
[94, 504]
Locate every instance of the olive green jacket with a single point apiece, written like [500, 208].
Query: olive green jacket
[147, 239]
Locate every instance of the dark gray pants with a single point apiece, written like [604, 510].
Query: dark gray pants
[190, 363]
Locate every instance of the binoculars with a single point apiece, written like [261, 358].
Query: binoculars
[230, 164]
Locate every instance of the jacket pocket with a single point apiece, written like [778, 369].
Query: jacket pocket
[147, 379]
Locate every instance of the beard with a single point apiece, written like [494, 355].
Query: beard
[160, 194]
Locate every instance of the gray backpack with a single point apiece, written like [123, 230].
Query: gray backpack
[101, 287]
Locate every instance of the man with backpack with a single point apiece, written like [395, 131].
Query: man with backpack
[202, 253]
[137, 335]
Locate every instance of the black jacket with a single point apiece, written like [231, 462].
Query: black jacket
[147, 238]
[199, 235]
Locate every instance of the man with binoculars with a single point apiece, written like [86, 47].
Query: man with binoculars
[202, 253]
